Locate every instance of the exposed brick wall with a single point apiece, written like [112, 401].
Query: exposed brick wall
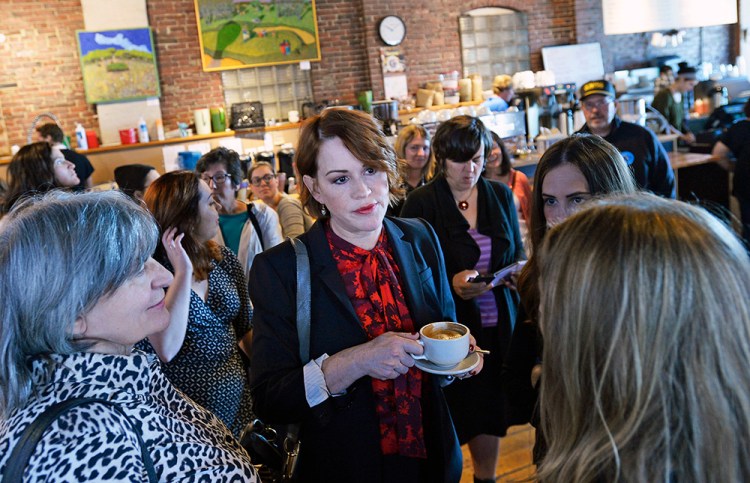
[184, 85]
[40, 53]
[432, 44]
[343, 69]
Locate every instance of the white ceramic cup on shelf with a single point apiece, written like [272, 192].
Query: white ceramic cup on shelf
[202, 119]
[293, 116]
[445, 343]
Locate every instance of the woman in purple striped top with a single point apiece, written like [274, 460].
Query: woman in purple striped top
[476, 222]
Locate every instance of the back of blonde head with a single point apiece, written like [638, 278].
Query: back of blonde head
[645, 312]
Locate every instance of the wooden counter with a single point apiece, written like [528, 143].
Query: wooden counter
[106, 158]
[696, 176]
[188, 139]
[683, 160]
[699, 179]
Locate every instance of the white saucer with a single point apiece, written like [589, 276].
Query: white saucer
[470, 362]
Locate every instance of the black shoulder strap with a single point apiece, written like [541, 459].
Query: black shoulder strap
[303, 298]
[291, 442]
[23, 450]
[254, 221]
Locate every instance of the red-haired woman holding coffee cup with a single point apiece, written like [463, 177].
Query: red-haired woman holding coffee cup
[367, 414]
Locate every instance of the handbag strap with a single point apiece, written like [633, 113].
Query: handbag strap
[256, 223]
[291, 442]
[303, 299]
[23, 450]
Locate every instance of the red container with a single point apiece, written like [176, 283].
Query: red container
[93, 141]
[128, 136]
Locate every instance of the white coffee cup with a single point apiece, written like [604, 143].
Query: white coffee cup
[293, 116]
[445, 343]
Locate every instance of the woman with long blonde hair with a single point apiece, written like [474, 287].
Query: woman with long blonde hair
[645, 307]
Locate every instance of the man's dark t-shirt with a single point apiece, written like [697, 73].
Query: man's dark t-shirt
[737, 139]
[644, 154]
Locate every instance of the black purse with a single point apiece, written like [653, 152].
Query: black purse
[276, 449]
[19, 458]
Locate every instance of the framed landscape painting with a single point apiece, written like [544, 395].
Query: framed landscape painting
[249, 33]
[118, 65]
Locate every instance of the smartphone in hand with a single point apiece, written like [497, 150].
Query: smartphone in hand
[483, 278]
[496, 277]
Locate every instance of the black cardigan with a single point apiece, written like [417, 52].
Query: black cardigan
[496, 218]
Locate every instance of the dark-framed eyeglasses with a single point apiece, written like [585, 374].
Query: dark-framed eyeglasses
[600, 104]
[257, 181]
[218, 178]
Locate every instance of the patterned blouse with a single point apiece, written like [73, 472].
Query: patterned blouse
[94, 443]
[373, 285]
[209, 368]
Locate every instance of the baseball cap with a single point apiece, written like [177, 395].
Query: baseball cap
[601, 87]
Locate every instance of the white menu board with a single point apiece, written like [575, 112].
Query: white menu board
[632, 16]
[574, 63]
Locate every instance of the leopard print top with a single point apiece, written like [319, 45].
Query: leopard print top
[93, 442]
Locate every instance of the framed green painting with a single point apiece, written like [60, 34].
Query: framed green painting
[118, 65]
[235, 34]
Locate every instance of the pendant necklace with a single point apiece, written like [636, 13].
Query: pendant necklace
[463, 205]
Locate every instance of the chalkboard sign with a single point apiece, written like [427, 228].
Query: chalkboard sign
[574, 63]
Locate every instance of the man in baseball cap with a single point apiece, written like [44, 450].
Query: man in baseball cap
[639, 146]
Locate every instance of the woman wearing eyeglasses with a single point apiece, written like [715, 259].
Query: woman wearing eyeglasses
[37, 168]
[265, 185]
[245, 228]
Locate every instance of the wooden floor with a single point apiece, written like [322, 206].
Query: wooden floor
[515, 457]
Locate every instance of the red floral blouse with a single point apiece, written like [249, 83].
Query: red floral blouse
[373, 285]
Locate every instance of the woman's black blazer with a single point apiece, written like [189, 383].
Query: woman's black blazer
[340, 438]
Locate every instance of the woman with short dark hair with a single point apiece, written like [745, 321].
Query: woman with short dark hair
[245, 228]
[134, 179]
[475, 220]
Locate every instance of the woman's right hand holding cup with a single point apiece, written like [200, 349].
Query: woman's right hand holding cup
[389, 355]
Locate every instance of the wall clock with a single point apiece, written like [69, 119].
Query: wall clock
[392, 30]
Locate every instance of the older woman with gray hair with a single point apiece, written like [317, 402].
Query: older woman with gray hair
[245, 228]
[70, 316]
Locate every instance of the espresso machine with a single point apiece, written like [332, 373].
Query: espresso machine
[550, 107]
[387, 113]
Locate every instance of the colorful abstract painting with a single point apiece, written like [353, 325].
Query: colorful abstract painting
[249, 33]
[118, 65]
